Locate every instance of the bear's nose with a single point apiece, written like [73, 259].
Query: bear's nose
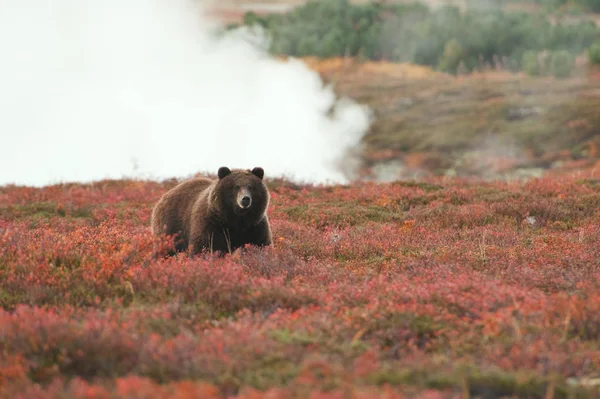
[246, 201]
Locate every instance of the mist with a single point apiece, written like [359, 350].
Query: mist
[144, 88]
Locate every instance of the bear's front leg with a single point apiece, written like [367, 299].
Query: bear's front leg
[213, 240]
[261, 234]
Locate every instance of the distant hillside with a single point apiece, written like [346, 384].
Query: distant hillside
[486, 124]
[475, 93]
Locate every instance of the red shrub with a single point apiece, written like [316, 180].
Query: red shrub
[369, 291]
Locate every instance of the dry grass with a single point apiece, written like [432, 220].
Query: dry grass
[464, 124]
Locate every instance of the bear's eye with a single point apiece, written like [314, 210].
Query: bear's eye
[237, 187]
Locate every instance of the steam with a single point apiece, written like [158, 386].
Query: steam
[144, 88]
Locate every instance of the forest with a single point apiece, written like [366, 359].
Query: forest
[444, 38]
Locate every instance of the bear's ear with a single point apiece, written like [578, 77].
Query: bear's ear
[258, 172]
[223, 171]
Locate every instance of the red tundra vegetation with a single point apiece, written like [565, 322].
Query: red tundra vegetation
[443, 288]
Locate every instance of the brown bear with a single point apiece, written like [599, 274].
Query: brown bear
[219, 215]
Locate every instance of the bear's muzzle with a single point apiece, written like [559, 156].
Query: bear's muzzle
[244, 199]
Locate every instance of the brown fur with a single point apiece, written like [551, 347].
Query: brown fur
[206, 214]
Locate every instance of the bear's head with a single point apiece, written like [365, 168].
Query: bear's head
[242, 193]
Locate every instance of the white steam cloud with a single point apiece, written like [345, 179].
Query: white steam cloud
[142, 88]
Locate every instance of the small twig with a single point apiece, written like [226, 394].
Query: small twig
[358, 335]
[482, 245]
[514, 320]
[567, 323]
[465, 387]
[227, 239]
[517, 328]
[551, 388]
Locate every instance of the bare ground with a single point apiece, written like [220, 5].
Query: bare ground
[427, 123]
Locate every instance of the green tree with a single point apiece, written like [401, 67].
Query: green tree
[332, 44]
[592, 5]
[561, 64]
[530, 63]
[307, 46]
[417, 34]
[251, 18]
[594, 53]
[452, 56]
